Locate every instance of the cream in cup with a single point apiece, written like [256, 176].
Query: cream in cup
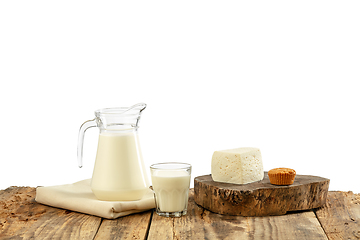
[171, 182]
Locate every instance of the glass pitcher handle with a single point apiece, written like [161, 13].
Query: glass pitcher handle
[83, 128]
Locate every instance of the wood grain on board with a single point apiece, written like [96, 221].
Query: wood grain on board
[260, 198]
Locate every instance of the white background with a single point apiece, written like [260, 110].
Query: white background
[278, 75]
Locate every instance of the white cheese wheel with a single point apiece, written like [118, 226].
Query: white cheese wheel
[239, 166]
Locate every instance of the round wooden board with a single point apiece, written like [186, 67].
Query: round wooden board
[260, 198]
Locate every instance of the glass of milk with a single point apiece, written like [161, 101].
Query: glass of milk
[171, 182]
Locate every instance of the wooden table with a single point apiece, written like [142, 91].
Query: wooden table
[22, 218]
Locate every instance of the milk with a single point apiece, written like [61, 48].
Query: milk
[171, 188]
[119, 172]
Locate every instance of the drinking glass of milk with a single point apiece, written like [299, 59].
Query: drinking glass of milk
[171, 182]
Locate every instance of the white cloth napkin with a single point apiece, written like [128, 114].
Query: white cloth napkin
[79, 197]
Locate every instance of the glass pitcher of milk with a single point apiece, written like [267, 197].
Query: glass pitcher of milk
[119, 172]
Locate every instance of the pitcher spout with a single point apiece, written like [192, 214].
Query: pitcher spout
[119, 118]
[137, 107]
[133, 110]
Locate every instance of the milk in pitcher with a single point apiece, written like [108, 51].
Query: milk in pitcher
[119, 172]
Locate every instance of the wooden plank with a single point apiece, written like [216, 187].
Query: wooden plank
[260, 198]
[200, 223]
[340, 217]
[300, 225]
[23, 218]
[133, 226]
[161, 227]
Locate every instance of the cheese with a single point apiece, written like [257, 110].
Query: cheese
[239, 166]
